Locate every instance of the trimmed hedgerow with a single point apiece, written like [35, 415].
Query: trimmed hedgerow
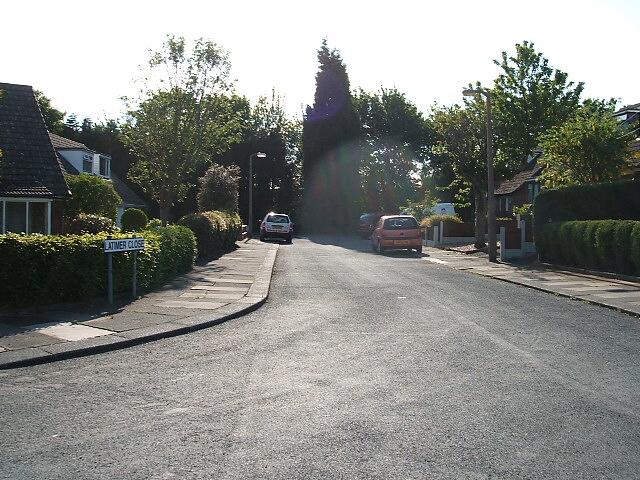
[608, 245]
[41, 269]
[601, 201]
[133, 220]
[216, 231]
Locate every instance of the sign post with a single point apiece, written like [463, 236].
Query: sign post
[118, 245]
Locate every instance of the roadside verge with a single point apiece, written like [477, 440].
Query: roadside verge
[229, 287]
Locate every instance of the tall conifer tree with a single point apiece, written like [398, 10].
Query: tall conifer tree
[331, 132]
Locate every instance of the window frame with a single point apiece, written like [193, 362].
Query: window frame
[27, 201]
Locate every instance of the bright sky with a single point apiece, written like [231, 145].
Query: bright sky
[85, 54]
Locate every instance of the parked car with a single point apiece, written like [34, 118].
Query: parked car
[276, 225]
[395, 232]
[367, 223]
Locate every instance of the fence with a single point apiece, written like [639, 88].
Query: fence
[449, 233]
[516, 242]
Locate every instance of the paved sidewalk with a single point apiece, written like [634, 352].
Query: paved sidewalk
[618, 294]
[230, 286]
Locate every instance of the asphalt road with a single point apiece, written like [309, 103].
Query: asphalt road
[358, 366]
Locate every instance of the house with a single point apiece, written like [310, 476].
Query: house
[629, 118]
[520, 189]
[77, 158]
[33, 190]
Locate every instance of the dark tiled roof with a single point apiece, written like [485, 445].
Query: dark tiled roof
[635, 106]
[61, 143]
[29, 165]
[514, 183]
[129, 197]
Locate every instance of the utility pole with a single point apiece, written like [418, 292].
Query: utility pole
[491, 199]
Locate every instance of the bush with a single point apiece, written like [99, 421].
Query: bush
[133, 220]
[436, 219]
[609, 245]
[40, 269]
[154, 223]
[216, 231]
[219, 189]
[88, 223]
[603, 201]
[91, 194]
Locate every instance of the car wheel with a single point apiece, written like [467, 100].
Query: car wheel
[288, 239]
[419, 251]
[262, 238]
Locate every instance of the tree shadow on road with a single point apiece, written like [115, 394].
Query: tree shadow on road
[355, 243]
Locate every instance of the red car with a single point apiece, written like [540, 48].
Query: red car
[396, 232]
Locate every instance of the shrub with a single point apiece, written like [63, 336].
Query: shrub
[133, 220]
[40, 269]
[610, 245]
[88, 223]
[216, 231]
[154, 223]
[91, 194]
[604, 201]
[436, 219]
[219, 189]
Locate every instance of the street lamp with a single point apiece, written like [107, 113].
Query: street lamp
[491, 199]
[258, 155]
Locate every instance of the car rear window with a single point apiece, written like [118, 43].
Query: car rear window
[400, 223]
[278, 219]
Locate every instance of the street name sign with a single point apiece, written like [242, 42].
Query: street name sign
[123, 245]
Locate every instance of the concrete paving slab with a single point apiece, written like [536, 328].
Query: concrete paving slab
[202, 304]
[72, 332]
[94, 342]
[238, 281]
[214, 289]
[27, 340]
[129, 321]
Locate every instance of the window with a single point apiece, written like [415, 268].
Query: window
[104, 166]
[87, 164]
[26, 216]
[38, 217]
[400, 223]
[16, 213]
[278, 219]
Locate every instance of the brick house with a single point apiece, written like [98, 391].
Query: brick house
[33, 190]
[520, 189]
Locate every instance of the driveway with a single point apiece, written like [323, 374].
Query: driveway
[358, 366]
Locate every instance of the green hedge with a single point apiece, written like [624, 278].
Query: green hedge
[602, 201]
[41, 269]
[216, 231]
[607, 245]
[134, 220]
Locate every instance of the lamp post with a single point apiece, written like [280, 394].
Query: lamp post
[491, 199]
[258, 155]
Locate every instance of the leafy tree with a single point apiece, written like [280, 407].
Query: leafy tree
[460, 144]
[590, 147]
[91, 194]
[52, 116]
[184, 119]
[331, 154]
[529, 97]
[219, 189]
[396, 140]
